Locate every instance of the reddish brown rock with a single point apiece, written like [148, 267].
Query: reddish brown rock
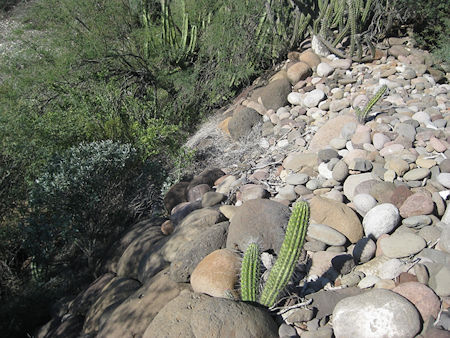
[417, 204]
[167, 227]
[217, 274]
[423, 298]
[399, 195]
[338, 216]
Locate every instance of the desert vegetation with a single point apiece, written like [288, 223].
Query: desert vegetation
[97, 97]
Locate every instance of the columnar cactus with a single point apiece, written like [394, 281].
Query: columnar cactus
[250, 273]
[282, 270]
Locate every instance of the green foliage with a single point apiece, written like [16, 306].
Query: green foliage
[362, 114]
[282, 270]
[250, 273]
[431, 24]
[79, 204]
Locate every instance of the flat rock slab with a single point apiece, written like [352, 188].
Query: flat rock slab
[402, 245]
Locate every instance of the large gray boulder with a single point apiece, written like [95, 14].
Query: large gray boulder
[131, 318]
[242, 122]
[258, 220]
[274, 95]
[191, 253]
[197, 315]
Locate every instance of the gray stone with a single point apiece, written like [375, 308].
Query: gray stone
[327, 154]
[402, 245]
[262, 220]
[440, 282]
[191, 253]
[444, 179]
[211, 198]
[416, 174]
[417, 221]
[326, 234]
[199, 315]
[363, 203]
[340, 171]
[297, 178]
[406, 130]
[364, 250]
[377, 313]
[274, 95]
[300, 315]
[381, 219]
[286, 331]
[321, 332]
[343, 264]
[242, 122]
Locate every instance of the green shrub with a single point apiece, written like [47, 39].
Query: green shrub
[80, 204]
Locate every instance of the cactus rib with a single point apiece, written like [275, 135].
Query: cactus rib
[290, 250]
[250, 273]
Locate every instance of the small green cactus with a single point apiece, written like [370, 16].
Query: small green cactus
[290, 250]
[362, 114]
[281, 272]
[250, 273]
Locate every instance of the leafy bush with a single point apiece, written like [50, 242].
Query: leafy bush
[80, 204]
[431, 24]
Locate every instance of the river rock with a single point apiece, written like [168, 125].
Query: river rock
[377, 313]
[402, 245]
[423, 298]
[196, 315]
[336, 215]
[326, 234]
[381, 219]
[217, 274]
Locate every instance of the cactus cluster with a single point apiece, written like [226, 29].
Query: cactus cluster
[362, 114]
[282, 271]
[345, 16]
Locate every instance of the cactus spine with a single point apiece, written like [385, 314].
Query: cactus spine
[250, 273]
[290, 250]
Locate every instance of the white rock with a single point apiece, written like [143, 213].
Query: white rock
[368, 282]
[324, 171]
[295, 98]
[363, 203]
[313, 98]
[381, 219]
[374, 314]
[324, 69]
[444, 179]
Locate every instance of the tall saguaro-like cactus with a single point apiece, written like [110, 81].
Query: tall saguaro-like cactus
[282, 271]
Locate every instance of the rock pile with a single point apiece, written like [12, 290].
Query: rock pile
[377, 255]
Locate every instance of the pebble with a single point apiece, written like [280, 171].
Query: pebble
[416, 174]
[444, 179]
[313, 98]
[324, 69]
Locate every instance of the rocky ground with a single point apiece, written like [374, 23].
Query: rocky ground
[376, 261]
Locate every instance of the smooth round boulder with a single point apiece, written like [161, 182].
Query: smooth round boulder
[326, 234]
[374, 314]
[423, 298]
[196, 315]
[402, 245]
[217, 274]
[381, 219]
[260, 219]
